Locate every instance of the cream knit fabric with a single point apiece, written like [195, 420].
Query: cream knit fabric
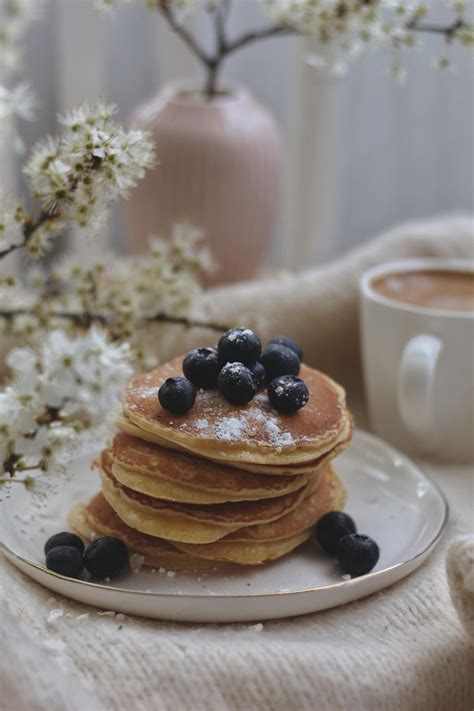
[460, 572]
[399, 650]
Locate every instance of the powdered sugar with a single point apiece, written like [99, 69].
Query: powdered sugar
[257, 422]
[228, 428]
[238, 333]
[202, 424]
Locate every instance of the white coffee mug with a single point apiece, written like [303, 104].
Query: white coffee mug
[419, 367]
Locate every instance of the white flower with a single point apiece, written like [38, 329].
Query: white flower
[341, 25]
[22, 360]
[11, 228]
[64, 383]
[18, 102]
[92, 164]
[181, 7]
[15, 16]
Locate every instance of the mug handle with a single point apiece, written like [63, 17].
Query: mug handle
[416, 378]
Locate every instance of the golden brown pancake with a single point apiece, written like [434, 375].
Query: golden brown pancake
[174, 476]
[309, 467]
[329, 495]
[256, 544]
[252, 545]
[99, 519]
[189, 523]
[253, 433]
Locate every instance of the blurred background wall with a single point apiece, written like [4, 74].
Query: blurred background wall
[361, 152]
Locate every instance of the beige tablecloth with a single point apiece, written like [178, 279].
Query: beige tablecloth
[401, 649]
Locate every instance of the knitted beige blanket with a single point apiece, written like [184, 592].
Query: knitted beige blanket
[401, 649]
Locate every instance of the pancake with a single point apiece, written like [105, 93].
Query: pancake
[99, 519]
[253, 433]
[174, 476]
[189, 523]
[309, 467]
[256, 544]
[252, 545]
[329, 495]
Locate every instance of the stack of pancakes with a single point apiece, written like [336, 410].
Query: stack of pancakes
[222, 483]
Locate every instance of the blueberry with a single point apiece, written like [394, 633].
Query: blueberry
[239, 345]
[106, 557]
[236, 383]
[65, 560]
[177, 395]
[357, 554]
[64, 539]
[258, 372]
[331, 527]
[288, 343]
[279, 360]
[287, 393]
[201, 367]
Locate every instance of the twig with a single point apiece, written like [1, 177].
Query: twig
[15, 480]
[188, 323]
[225, 7]
[86, 319]
[180, 30]
[29, 230]
[221, 15]
[448, 31]
[265, 33]
[213, 62]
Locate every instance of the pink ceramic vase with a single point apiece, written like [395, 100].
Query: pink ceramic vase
[219, 169]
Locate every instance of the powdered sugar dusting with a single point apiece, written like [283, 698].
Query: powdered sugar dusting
[228, 428]
[202, 424]
[256, 422]
[277, 436]
[238, 334]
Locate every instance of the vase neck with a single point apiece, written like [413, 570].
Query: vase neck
[190, 94]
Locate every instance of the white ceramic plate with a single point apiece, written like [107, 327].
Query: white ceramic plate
[388, 496]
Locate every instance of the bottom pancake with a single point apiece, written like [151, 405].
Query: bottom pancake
[157, 552]
[97, 518]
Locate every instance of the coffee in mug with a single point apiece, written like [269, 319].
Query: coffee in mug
[417, 341]
[429, 288]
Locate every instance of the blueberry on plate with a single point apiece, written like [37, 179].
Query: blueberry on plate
[177, 395]
[64, 539]
[331, 527]
[279, 360]
[287, 393]
[106, 557]
[201, 366]
[65, 560]
[239, 345]
[236, 383]
[357, 554]
[288, 343]
[258, 372]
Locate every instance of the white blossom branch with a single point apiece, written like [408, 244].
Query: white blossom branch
[84, 319]
[329, 22]
[58, 390]
[75, 177]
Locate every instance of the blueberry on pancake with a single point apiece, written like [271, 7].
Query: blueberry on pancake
[239, 345]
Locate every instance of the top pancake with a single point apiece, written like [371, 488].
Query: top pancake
[253, 433]
[309, 467]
